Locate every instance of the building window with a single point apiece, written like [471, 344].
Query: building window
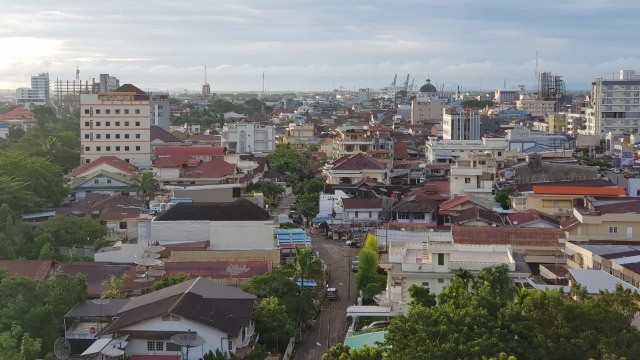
[87, 148]
[97, 111]
[467, 180]
[356, 214]
[107, 136]
[126, 111]
[613, 229]
[108, 148]
[117, 111]
[108, 181]
[98, 148]
[440, 259]
[107, 111]
[137, 123]
[98, 136]
[107, 123]
[86, 111]
[126, 136]
[117, 148]
[425, 283]
[137, 148]
[137, 111]
[440, 281]
[126, 123]
[126, 148]
[370, 214]
[96, 181]
[86, 123]
[117, 136]
[86, 136]
[230, 344]
[137, 136]
[98, 123]
[117, 123]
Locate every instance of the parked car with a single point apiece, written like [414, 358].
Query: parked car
[353, 243]
[331, 294]
[355, 263]
[377, 325]
[617, 171]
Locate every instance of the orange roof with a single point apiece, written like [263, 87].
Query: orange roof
[579, 190]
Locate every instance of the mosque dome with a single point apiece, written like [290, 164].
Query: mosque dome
[428, 87]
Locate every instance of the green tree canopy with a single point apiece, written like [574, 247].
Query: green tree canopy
[170, 281]
[344, 352]
[73, 230]
[273, 324]
[368, 279]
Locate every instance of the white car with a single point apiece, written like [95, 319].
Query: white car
[617, 171]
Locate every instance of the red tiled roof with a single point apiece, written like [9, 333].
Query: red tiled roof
[357, 203]
[616, 205]
[580, 183]
[400, 150]
[213, 169]
[455, 201]
[358, 161]
[188, 246]
[108, 160]
[529, 216]
[32, 269]
[514, 236]
[18, 114]
[190, 151]
[172, 161]
[475, 213]
[569, 223]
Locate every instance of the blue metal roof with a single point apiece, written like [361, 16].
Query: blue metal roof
[292, 237]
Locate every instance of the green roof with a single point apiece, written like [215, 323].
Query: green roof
[370, 339]
[349, 128]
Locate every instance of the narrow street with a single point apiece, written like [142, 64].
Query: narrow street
[331, 324]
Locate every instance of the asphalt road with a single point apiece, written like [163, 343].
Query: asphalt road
[331, 324]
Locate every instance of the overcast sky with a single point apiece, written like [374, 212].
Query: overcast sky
[319, 45]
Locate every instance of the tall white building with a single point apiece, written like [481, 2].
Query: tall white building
[615, 104]
[38, 94]
[118, 124]
[460, 123]
[248, 137]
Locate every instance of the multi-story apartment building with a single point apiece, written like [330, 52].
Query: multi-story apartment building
[248, 137]
[473, 176]
[537, 108]
[299, 134]
[351, 140]
[38, 94]
[506, 96]
[426, 109]
[615, 105]
[440, 152]
[160, 110]
[460, 123]
[118, 124]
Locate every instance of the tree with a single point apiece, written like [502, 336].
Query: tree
[503, 197]
[39, 176]
[170, 281]
[15, 133]
[272, 192]
[115, 287]
[73, 230]
[421, 295]
[368, 279]
[145, 183]
[307, 266]
[273, 324]
[344, 352]
[16, 344]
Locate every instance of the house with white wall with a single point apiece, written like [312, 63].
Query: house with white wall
[199, 307]
[362, 210]
[237, 225]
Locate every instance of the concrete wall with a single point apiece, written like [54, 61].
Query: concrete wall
[167, 232]
[242, 235]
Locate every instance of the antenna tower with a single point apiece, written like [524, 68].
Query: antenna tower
[537, 75]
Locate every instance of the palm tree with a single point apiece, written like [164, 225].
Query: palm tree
[145, 183]
[307, 266]
[114, 287]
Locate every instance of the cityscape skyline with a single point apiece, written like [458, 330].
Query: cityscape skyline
[317, 47]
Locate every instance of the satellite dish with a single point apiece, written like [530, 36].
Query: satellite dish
[156, 272]
[112, 351]
[62, 348]
[148, 262]
[188, 340]
[153, 249]
[148, 255]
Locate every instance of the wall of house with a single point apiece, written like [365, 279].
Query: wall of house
[555, 205]
[166, 173]
[167, 232]
[607, 230]
[215, 338]
[335, 177]
[411, 217]
[329, 203]
[362, 214]
[241, 235]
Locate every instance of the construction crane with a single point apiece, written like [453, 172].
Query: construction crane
[411, 86]
[395, 78]
[406, 83]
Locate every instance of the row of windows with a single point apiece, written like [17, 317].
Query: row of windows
[160, 346]
[108, 123]
[108, 148]
[108, 136]
[91, 111]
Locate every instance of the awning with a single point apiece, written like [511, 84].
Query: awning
[369, 310]
[569, 252]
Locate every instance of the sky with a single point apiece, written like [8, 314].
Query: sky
[319, 45]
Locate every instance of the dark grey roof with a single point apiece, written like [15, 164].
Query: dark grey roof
[200, 300]
[428, 87]
[239, 210]
[89, 308]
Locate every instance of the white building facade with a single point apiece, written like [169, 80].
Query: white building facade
[460, 123]
[615, 104]
[248, 137]
[38, 94]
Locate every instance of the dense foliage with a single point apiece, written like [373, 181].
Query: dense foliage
[273, 324]
[272, 192]
[368, 279]
[34, 310]
[485, 316]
